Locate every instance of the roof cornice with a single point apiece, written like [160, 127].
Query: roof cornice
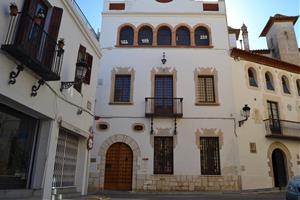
[271, 62]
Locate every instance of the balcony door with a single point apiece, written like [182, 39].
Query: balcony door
[274, 117]
[163, 95]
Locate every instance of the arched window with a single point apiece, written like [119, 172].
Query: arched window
[298, 87]
[126, 36]
[252, 77]
[285, 85]
[145, 36]
[183, 36]
[269, 81]
[164, 36]
[201, 36]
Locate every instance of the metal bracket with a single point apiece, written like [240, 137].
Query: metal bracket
[175, 126]
[151, 131]
[13, 75]
[66, 85]
[35, 88]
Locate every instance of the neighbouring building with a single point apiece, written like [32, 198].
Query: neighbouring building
[171, 88]
[45, 123]
[268, 80]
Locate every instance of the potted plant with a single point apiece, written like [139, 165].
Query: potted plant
[13, 9]
[61, 43]
[39, 17]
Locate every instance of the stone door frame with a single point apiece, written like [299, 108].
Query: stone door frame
[119, 139]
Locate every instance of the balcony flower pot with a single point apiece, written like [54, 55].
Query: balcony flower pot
[38, 18]
[61, 43]
[13, 9]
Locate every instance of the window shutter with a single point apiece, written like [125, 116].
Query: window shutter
[89, 60]
[55, 22]
[30, 7]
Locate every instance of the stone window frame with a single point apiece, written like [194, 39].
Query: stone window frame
[163, 71]
[173, 42]
[284, 77]
[121, 71]
[202, 71]
[276, 99]
[257, 74]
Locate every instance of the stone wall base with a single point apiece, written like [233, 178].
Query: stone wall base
[184, 183]
[188, 183]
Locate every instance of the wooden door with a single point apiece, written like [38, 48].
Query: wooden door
[118, 167]
[279, 168]
[274, 117]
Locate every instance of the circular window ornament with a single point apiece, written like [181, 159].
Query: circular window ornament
[138, 127]
[164, 1]
[103, 126]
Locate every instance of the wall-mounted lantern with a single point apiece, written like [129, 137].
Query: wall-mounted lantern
[81, 69]
[245, 113]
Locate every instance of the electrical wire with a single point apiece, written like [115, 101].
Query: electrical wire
[73, 104]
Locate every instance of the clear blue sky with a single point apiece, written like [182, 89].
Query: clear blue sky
[254, 13]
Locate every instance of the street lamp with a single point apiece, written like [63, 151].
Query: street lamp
[245, 113]
[81, 69]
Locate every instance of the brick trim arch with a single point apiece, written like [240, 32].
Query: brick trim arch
[288, 157]
[134, 33]
[191, 30]
[207, 28]
[136, 153]
[173, 42]
[154, 33]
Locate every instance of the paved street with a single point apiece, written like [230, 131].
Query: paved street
[194, 196]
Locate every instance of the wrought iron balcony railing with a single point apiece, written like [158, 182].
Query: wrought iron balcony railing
[282, 129]
[163, 107]
[30, 44]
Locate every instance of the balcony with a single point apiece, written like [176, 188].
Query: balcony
[282, 129]
[28, 43]
[163, 107]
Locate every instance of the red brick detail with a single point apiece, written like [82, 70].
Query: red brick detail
[210, 7]
[117, 6]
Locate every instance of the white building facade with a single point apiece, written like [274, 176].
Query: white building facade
[44, 126]
[165, 102]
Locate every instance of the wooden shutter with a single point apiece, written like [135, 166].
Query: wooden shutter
[89, 60]
[30, 6]
[55, 22]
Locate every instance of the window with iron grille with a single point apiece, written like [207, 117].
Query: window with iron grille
[163, 155]
[210, 156]
[122, 88]
[206, 89]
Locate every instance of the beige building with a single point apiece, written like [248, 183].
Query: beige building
[269, 82]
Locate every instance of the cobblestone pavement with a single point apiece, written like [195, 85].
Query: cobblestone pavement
[191, 196]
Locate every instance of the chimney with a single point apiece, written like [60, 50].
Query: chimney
[245, 37]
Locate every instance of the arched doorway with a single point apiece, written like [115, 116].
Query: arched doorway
[279, 168]
[118, 167]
